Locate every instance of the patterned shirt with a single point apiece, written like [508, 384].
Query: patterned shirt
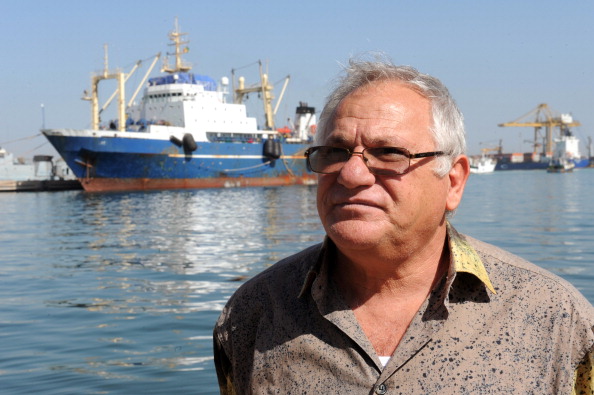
[495, 323]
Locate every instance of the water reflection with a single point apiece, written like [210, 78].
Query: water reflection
[153, 262]
[198, 231]
[118, 293]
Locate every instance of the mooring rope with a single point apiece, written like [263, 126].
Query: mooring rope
[246, 168]
[21, 139]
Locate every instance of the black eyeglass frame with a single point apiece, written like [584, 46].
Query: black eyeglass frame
[406, 153]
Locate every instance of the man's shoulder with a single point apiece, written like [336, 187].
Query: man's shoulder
[491, 253]
[290, 268]
[542, 303]
[285, 277]
[496, 257]
[511, 272]
[271, 294]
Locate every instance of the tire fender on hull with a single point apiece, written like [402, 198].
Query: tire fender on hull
[176, 141]
[272, 149]
[189, 143]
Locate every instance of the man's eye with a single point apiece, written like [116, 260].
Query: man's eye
[389, 153]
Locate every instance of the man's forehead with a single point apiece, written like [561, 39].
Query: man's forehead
[382, 103]
[388, 87]
[389, 138]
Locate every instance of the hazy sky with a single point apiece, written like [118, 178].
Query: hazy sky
[500, 59]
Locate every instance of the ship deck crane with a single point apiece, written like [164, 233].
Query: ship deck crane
[498, 149]
[544, 118]
[264, 89]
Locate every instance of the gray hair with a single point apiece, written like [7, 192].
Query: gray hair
[448, 122]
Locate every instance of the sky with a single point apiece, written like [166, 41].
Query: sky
[499, 59]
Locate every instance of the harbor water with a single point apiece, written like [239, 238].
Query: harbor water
[118, 293]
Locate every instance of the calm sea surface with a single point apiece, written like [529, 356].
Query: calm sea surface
[118, 293]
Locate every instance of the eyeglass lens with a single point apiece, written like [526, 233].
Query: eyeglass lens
[381, 160]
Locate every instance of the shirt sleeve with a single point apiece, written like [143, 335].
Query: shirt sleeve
[584, 376]
[223, 368]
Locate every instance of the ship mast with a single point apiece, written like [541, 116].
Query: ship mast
[177, 41]
[106, 75]
[121, 77]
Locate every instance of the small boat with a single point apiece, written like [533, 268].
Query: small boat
[186, 133]
[484, 164]
[560, 165]
[42, 174]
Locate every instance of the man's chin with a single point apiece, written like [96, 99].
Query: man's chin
[354, 233]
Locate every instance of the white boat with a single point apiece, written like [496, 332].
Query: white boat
[484, 164]
[42, 174]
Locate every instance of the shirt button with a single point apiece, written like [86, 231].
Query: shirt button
[381, 389]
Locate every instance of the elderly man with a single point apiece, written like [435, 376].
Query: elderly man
[395, 300]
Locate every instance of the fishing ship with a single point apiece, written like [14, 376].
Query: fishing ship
[183, 133]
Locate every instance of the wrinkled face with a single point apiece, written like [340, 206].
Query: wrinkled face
[360, 210]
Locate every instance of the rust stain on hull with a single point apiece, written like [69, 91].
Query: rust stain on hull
[147, 184]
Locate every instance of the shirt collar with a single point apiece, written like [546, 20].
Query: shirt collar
[465, 258]
[321, 262]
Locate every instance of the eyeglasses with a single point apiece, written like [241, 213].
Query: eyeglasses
[386, 161]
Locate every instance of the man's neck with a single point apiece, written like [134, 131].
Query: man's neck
[386, 295]
[364, 278]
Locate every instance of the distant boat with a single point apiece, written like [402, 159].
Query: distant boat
[560, 165]
[185, 134]
[484, 164]
[42, 174]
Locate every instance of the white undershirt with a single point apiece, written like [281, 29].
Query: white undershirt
[384, 360]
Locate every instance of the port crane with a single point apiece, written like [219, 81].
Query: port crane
[544, 118]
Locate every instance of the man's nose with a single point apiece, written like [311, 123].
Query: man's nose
[355, 172]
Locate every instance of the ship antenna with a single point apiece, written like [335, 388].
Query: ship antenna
[176, 38]
[105, 61]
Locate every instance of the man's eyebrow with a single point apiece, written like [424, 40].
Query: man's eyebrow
[338, 140]
[374, 142]
[383, 142]
[342, 138]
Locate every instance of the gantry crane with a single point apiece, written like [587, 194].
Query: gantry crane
[544, 119]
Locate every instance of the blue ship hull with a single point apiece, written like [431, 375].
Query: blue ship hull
[581, 163]
[121, 163]
[521, 166]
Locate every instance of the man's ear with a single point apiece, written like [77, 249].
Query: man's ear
[457, 176]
